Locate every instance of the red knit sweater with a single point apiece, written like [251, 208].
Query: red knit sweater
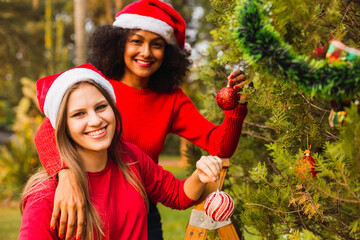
[120, 206]
[148, 117]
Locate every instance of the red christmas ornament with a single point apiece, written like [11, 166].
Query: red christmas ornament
[227, 98]
[219, 206]
[307, 162]
[311, 161]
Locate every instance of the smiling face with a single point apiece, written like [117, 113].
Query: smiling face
[90, 120]
[143, 56]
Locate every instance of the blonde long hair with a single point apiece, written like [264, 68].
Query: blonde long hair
[68, 152]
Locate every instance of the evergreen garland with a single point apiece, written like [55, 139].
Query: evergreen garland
[260, 42]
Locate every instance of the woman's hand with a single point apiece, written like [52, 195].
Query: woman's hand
[237, 80]
[69, 205]
[208, 168]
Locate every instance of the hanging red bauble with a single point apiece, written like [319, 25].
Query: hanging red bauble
[307, 162]
[309, 159]
[219, 206]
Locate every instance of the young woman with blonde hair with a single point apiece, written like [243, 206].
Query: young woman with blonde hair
[116, 178]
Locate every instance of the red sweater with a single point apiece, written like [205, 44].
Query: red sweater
[148, 117]
[120, 206]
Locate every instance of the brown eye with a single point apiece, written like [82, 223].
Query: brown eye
[78, 114]
[101, 107]
[136, 41]
[158, 45]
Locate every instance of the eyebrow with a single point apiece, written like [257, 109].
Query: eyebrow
[144, 38]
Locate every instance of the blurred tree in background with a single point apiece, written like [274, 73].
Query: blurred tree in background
[37, 41]
[278, 193]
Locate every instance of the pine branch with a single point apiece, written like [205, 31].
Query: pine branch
[278, 211]
[345, 184]
[291, 189]
[274, 106]
[332, 135]
[311, 104]
[257, 136]
[329, 195]
[269, 223]
[258, 125]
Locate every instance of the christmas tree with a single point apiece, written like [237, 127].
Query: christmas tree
[296, 173]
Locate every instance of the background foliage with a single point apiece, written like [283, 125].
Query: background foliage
[275, 194]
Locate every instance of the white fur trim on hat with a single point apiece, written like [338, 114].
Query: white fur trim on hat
[59, 87]
[135, 21]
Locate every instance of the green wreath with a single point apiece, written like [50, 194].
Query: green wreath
[259, 41]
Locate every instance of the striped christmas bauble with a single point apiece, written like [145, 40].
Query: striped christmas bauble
[219, 206]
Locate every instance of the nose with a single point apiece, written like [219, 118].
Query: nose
[94, 119]
[145, 50]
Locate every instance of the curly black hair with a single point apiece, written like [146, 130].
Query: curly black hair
[107, 46]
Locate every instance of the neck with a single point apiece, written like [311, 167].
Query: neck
[135, 82]
[93, 161]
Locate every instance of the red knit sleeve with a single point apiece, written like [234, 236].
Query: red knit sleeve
[217, 140]
[45, 143]
[38, 206]
[161, 185]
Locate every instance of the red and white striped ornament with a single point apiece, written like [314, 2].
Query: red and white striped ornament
[219, 206]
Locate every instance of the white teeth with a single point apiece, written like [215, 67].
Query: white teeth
[143, 62]
[94, 133]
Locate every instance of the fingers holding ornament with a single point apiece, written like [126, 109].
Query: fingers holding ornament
[209, 168]
[237, 79]
[229, 97]
[219, 206]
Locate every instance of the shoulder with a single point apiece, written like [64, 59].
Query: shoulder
[131, 152]
[127, 146]
[41, 192]
[179, 95]
[178, 91]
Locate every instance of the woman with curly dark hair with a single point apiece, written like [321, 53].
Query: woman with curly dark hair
[145, 58]
[108, 43]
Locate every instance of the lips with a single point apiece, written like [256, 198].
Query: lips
[143, 63]
[97, 133]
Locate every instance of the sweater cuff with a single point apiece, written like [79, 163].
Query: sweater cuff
[239, 112]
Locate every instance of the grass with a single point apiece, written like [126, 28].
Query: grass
[10, 221]
[174, 221]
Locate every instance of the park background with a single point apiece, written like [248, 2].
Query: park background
[278, 192]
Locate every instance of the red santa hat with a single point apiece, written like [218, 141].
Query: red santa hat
[50, 90]
[154, 16]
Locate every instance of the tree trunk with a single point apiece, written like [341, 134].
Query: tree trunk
[183, 146]
[80, 35]
[118, 5]
[108, 13]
